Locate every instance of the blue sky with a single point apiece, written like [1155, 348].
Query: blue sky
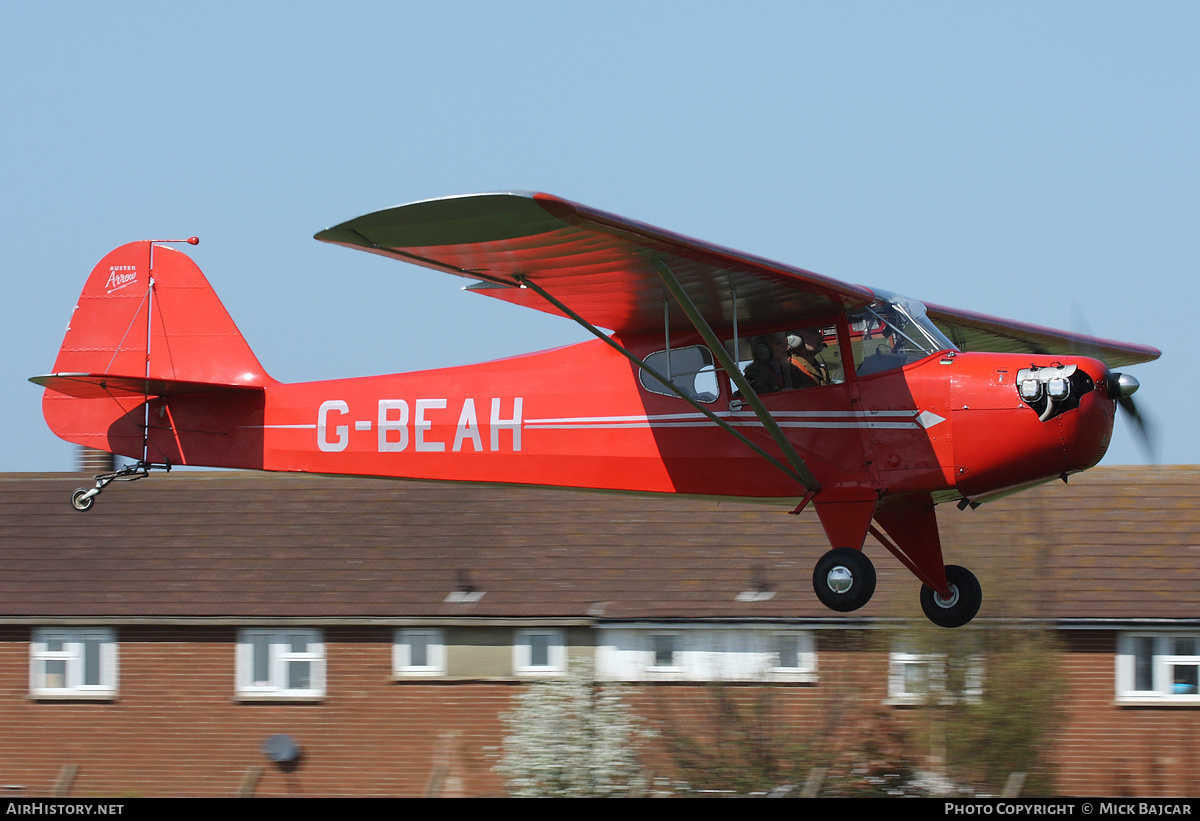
[1037, 161]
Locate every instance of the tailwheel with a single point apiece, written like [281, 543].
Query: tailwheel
[844, 579]
[962, 604]
[82, 499]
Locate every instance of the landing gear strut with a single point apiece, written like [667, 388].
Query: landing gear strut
[844, 579]
[960, 606]
[82, 499]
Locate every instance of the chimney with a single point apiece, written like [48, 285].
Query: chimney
[90, 460]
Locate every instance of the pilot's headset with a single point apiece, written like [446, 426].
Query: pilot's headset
[760, 348]
[795, 342]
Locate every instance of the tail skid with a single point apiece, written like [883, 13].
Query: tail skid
[152, 367]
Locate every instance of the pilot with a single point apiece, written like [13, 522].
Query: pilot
[772, 369]
[805, 346]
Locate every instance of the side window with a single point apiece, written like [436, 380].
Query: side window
[690, 369]
[793, 359]
[73, 663]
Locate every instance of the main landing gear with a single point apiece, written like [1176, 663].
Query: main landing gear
[907, 527]
[960, 606]
[82, 499]
[844, 580]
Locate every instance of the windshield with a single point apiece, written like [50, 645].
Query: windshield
[892, 332]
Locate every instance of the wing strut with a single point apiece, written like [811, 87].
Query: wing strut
[798, 475]
[801, 470]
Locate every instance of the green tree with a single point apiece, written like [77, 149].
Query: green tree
[734, 741]
[994, 706]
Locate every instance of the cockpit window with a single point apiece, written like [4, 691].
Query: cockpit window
[892, 332]
[690, 369]
[800, 357]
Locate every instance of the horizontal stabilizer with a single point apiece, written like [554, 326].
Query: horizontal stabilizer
[97, 385]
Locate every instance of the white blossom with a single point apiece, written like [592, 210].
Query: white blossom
[572, 737]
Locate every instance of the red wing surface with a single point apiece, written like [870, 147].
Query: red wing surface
[598, 264]
[977, 332]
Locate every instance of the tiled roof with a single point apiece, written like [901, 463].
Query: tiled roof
[1117, 543]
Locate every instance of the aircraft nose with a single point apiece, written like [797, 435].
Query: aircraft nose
[1120, 385]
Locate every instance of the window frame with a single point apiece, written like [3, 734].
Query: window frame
[556, 653]
[653, 638]
[805, 668]
[741, 350]
[705, 653]
[275, 687]
[1162, 662]
[435, 652]
[74, 655]
[711, 366]
[900, 661]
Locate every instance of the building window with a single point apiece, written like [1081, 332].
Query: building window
[658, 652]
[793, 655]
[539, 653]
[1158, 668]
[73, 663]
[933, 678]
[419, 653]
[275, 664]
[664, 648]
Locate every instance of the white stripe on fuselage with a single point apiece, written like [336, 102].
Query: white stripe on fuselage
[883, 419]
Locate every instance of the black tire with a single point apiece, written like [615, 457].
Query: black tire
[844, 579]
[81, 501]
[965, 597]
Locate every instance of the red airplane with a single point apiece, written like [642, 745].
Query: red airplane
[725, 374]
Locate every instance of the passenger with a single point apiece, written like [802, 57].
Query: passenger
[805, 346]
[772, 369]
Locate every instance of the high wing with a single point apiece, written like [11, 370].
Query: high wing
[977, 332]
[602, 267]
[599, 265]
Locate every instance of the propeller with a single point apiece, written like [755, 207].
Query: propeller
[1121, 387]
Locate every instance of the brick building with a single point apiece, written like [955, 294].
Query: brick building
[152, 645]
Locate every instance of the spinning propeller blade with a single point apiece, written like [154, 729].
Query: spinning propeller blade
[1146, 435]
[1121, 387]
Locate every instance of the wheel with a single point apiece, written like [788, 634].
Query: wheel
[965, 597]
[80, 499]
[844, 579]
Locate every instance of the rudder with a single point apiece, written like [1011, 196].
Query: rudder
[148, 328]
[191, 336]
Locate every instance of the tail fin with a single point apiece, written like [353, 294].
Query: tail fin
[191, 337]
[148, 328]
